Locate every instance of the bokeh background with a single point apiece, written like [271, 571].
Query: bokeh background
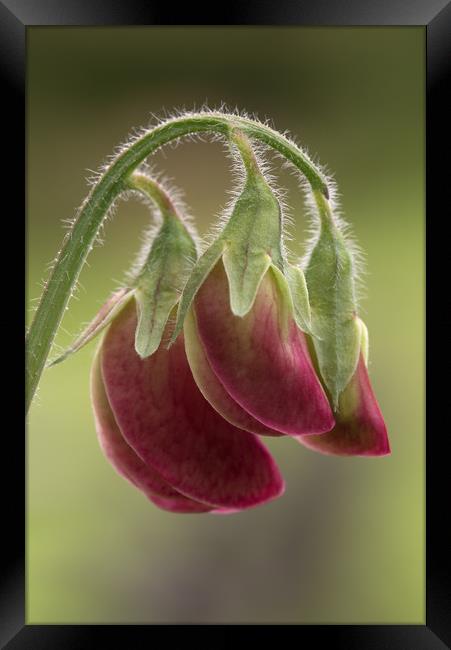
[345, 544]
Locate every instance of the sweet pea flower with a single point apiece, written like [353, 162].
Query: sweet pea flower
[247, 312]
[360, 428]
[256, 370]
[340, 349]
[159, 432]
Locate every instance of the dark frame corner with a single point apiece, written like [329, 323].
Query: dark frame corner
[435, 15]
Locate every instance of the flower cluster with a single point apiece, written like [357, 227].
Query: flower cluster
[202, 356]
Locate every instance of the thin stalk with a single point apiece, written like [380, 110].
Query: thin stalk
[154, 191]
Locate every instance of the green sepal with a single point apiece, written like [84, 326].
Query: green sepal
[286, 304]
[299, 292]
[244, 278]
[161, 281]
[330, 282]
[253, 241]
[199, 272]
[287, 307]
[109, 310]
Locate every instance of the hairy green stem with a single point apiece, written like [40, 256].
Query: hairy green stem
[154, 191]
[246, 152]
[323, 206]
[111, 184]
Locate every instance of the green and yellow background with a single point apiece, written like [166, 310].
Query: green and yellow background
[345, 544]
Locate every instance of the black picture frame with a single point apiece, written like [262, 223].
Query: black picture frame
[16, 16]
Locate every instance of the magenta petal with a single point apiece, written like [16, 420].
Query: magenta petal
[126, 461]
[262, 359]
[182, 505]
[166, 420]
[360, 428]
[210, 386]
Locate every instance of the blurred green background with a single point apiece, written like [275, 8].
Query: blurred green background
[345, 544]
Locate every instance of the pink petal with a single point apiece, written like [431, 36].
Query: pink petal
[262, 359]
[360, 428]
[210, 386]
[166, 420]
[125, 460]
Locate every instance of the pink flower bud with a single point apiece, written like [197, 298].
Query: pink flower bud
[256, 370]
[360, 428]
[160, 433]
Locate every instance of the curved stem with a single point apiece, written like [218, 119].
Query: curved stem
[154, 191]
[323, 206]
[246, 152]
[111, 184]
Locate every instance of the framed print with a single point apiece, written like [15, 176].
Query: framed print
[352, 552]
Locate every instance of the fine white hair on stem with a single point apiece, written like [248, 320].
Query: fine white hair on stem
[356, 253]
[176, 198]
[239, 175]
[166, 117]
[174, 193]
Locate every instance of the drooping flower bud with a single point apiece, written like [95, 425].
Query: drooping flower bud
[340, 351]
[244, 336]
[360, 428]
[261, 360]
[165, 437]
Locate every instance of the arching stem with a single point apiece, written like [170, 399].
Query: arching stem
[111, 184]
